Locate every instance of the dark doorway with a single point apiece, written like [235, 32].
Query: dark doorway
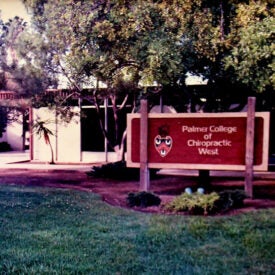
[92, 138]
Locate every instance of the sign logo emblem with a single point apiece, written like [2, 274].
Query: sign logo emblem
[163, 142]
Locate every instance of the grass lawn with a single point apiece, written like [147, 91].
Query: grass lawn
[55, 231]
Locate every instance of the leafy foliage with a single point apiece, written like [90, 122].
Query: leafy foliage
[230, 199]
[195, 203]
[125, 44]
[19, 75]
[147, 40]
[4, 147]
[212, 203]
[253, 57]
[16, 75]
[117, 170]
[42, 130]
[143, 199]
[3, 120]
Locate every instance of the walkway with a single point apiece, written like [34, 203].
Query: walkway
[20, 160]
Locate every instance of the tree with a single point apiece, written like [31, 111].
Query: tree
[27, 74]
[17, 75]
[252, 56]
[41, 129]
[3, 121]
[233, 44]
[9, 33]
[161, 39]
[125, 43]
[120, 43]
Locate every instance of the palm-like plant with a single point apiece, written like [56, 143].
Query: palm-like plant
[41, 129]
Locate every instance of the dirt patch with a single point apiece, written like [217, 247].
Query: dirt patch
[115, 192]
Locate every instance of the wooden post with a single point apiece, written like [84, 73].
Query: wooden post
[106, 128]
[31, 132]
[204, 179]
[249, 151]
[144, 171]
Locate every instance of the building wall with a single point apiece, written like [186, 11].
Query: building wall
[11, 8]
[14, 134]
[69, 139]
[65, 139]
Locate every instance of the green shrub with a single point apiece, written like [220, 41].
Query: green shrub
[212, 203]
[195, 203]
[143, 199]
[117, 170]
[230, 199]
[4, 147]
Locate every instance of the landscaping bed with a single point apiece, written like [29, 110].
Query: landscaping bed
[115, 192]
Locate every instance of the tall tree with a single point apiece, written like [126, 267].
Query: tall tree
[252, 50]
[3, 120]
[128, 42]
[156, 36]
[120, 43]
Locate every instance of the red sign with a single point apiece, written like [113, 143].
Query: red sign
[198, 141]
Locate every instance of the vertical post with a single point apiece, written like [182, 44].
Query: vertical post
[204, 178]
[31, 132]
[106, 128]
[161, 103]
[56, 136]
[249, 151]
[144, 171]
[80, 132]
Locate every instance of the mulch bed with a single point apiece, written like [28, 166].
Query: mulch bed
[115, 192]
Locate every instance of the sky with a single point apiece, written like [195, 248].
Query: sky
[11, 8]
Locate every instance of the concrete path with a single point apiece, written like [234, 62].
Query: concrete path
[13, 156]
[20, 160]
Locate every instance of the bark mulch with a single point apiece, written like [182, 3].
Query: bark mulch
[115, 192]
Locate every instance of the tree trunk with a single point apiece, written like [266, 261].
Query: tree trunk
[52, 155]
[221, 20]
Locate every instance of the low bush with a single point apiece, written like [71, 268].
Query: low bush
[4, 147]
[230, 199]
[117, 170]
[213, 203]
[143, 199]
[195, 203]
